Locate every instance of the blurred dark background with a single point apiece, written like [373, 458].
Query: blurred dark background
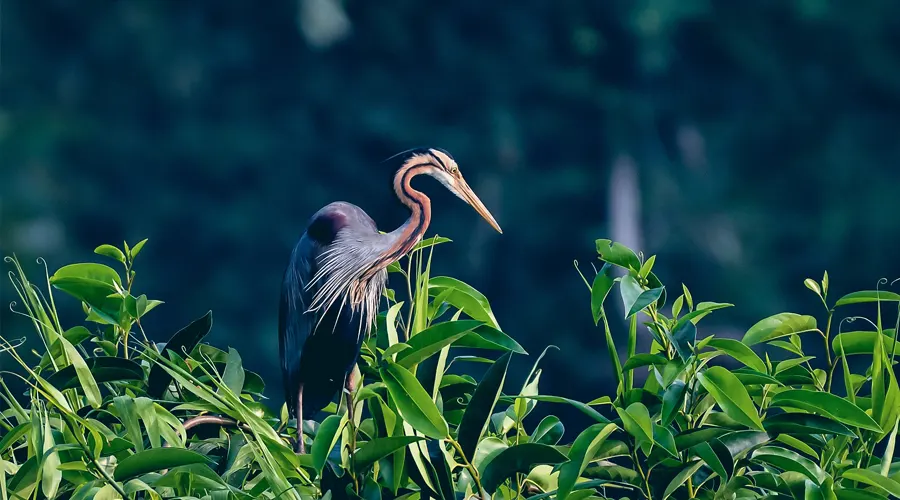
[748, 144]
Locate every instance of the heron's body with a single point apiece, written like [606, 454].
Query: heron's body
[318, 351]
[334, 281]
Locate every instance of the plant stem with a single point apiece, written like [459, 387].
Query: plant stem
[645, 478]
[632, 346]
[828, 376]
[471, 468]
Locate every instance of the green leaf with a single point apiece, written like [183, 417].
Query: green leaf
[103, 369]
[51, 475]
[156, 459]
[377, 449]
[867, 296]
[465, 298]
[75, 335]
[752, 377]
[479, 409]
[703, 309]
[858, 494]
[779, 325]
[234, 372]
[677, 305]
[804, 423]
[99, 273]
[415, 405]
[639, 360]
[181, 343]
[788, 460]
[549, 431]
[391, 325]
[739, 351]
[15, 434]
[681, 478]
[603, 283]
[326, 437]
[431, 340]
[672, 399]
[797, 444]
[864, 343]
[636, 420]
[394, 349]
[812, 285]
[827, 405]
[518, 459]
[731, 395]
[137, 248]
[586, 409]
[111, 252]
[82, 373]
[691, 438]
[430, 242]
[580, 455]
[618, 254]
[717, 457]
[634, 297]
[127, 413]
[872, 478]
[663, 437]
[486, 337]
[684, 337]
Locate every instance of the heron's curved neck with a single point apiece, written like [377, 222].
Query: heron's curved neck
[410, 232]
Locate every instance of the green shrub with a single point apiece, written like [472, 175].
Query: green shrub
[106, 410]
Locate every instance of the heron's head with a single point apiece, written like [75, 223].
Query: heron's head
[439, 164]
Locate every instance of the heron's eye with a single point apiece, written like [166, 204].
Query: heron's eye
[453, 170]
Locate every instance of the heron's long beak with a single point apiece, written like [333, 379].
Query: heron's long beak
[472, 199]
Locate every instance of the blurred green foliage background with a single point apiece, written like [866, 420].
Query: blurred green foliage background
[748, 144]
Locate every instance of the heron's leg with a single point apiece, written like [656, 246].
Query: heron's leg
[298, 445]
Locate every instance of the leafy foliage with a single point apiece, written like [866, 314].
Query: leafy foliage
[111, 415]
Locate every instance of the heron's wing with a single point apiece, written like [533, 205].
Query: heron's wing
[350, 271]
[293, 325]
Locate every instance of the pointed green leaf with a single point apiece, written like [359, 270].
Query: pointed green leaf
[111, 252]
[379, 448]
[788, 460]
[864, 343]
[156, 459]
[779, 325]
[463, 297]
[826, 405]
[137, 248]
[431, 340]
[681, 478]
[867, 296]
[739, 351]
[549, 431]
[875, 479]
[731, 395]
[182, 343]
[672, 400]
[582, 452]
[518, 459]
[479, 409]
[486, 337]
[603, 283]
[634, 297]
[804, 423]
[415, 405]
[618, 254]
